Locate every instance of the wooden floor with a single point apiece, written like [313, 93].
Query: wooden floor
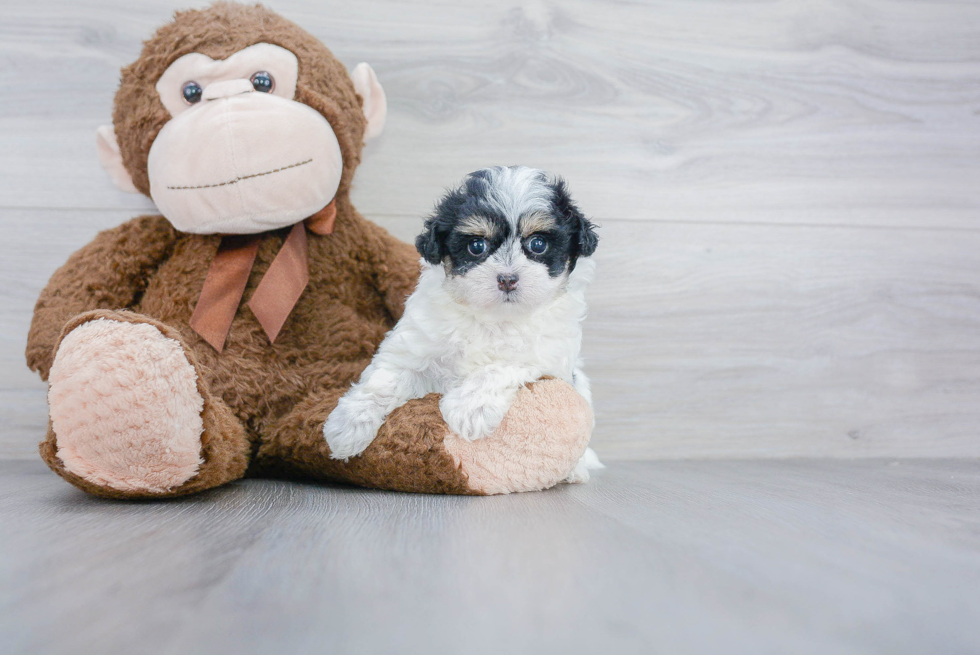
[798, 556]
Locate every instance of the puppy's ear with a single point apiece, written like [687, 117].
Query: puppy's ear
[429, 243]
[588, 240]
[584, 236]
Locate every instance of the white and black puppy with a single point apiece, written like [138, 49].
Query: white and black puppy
[500, 302]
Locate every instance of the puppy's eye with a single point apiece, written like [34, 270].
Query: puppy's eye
[536, 245]
[192, 92]
[477, 247]
[263, 82]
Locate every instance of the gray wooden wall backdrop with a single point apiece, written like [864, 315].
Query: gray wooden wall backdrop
[788, 191]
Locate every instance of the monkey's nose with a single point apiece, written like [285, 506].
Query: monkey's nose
[226, 89]
[507, 282]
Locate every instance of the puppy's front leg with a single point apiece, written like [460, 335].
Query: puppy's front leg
[476, 407]
[360, 413]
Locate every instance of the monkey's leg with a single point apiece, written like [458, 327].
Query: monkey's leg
[131, 415]
[538, 443]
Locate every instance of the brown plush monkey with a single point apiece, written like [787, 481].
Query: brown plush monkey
[189, 351]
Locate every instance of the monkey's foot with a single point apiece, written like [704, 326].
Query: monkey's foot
[125, 407]
[542, 437]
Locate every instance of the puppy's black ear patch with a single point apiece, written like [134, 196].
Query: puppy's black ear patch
[428, 244]
[584, 238]
[431, 244]
[588, 240]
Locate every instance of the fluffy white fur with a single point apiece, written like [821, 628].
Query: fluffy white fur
[476, 356]
[465, 337]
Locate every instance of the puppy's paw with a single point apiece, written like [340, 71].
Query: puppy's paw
[580, 474]
[350, 429]
[471, 417]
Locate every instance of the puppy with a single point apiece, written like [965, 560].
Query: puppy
[499, 303]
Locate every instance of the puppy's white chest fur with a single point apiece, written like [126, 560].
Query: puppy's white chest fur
[477, 358]
[449, 342]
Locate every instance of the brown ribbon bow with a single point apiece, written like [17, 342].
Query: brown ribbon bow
[277, 293]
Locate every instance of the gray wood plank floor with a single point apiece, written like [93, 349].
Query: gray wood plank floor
[787, 192]
[805, 556]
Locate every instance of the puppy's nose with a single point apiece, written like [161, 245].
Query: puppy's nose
[507, 282]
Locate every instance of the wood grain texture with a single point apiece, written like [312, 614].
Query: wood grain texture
[720, 341]
[787, 190]
[789, 112]
[677, 557]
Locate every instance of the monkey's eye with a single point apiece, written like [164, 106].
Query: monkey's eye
[477, 247]
[263, 82]
[192, 92]
[536, 245]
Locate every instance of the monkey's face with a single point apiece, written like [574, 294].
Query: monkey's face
[236, 121]
[240, 155]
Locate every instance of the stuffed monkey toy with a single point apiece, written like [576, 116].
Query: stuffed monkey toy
[191, 349]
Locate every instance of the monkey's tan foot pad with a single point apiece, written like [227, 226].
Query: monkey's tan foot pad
[125, 407]
[540, 440]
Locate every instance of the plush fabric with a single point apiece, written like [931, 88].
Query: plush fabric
[107, 148]
[537, 428]
[289, 173]
[280, 63]
[219, 32]
[124, 398]
[374, 101]
[263, 405]
[225, 449]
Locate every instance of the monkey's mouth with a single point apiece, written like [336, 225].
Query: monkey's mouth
[239, 179]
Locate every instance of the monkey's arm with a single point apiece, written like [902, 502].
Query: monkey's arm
[109, 273]
[396, 268]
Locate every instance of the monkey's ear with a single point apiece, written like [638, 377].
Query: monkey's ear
[111, 159]
[375, 103]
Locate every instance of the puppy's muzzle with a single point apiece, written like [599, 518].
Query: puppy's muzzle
[507, 282]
